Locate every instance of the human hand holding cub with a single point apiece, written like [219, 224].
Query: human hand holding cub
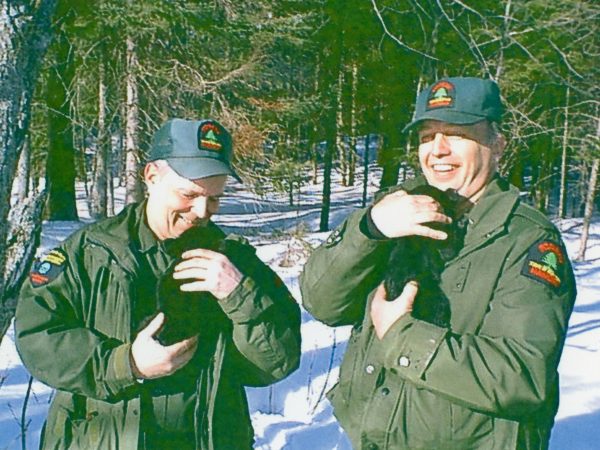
[385, 313]
[399, 214]
[209, 271]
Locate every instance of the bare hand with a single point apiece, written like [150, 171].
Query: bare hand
[399, 214]
[210, 271]
[385, 313]
[150, 359]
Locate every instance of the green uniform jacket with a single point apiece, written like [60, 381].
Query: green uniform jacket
[74, 334]
[490, 381]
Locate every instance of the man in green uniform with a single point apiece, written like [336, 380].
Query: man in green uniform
[489, 380]
[87, 321]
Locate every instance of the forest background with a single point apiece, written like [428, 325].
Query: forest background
[306, 87]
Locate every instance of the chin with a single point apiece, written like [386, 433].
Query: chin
[443, 185]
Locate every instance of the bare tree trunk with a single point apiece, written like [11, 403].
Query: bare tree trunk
[388, 159]
[589, 208]
[589, 204]
[366, 170]
[24, 37]
[111, 193]
[562, 204]
[505, 32]
[60, 164]
[79, 135]
[352, 146]
[315, 162]
[23, 173]
[328, 163]
[315, 145]
[98, 204]
[133, 187]
[25, 227]
[330, 74]
[340, 145]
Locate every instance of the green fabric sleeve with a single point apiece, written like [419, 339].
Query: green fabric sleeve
[341, 272]
[58, 350]
[266, 324]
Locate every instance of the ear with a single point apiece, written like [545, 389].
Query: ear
[151, 174]
[499, 145]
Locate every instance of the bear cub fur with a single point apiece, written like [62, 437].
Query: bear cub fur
[422, 259]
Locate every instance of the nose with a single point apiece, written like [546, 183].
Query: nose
[441, 146]
[200, 207]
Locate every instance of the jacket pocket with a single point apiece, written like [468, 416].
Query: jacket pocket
[427, 418]
[108, 310]
[471, 428]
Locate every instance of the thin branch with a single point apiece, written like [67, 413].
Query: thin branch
[472, 45]
[565, 59]
[468, 8]
[394, 38]
[23, 424]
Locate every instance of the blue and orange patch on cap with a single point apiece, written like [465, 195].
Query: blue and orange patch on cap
[442, 95]
[48, 268]
[545, 263]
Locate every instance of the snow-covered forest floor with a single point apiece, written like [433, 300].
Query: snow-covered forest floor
[294, 414]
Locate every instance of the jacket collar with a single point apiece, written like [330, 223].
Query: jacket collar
[119, 234]
[489, 215]
[146, 239]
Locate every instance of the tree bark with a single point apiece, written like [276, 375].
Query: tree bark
[23, 173]
[330, 72]
[340, 145]
[60, 165]
[366, 170]
[562, 203]
[589, 208]
[353, 124]
[22, 241]
[24, 37]
[388, 159]
[133, 187]
[98, 204]
[326, 205]
[589, 203]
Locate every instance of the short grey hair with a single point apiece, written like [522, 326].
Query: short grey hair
[494, 132]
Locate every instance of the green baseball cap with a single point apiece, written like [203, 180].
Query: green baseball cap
[458, 100]
[194, 148]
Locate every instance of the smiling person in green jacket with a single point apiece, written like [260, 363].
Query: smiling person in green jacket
[488, 380]
[87, 321]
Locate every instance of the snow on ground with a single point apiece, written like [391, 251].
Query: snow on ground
[294, 413]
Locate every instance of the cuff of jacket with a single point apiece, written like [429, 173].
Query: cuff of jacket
[245, 303]
[120, 375]
[409, 346]
[363, 233]
[369, 228]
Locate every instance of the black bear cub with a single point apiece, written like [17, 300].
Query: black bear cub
[188, 313]
[422, 259]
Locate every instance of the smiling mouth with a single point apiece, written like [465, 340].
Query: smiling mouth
[443, 168]
[187, 221]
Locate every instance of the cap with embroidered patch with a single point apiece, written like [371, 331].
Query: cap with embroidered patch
[194, 148]
[459, 101]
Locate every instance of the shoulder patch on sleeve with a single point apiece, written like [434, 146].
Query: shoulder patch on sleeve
[48, 267]
[336, 236]
[545, 263]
